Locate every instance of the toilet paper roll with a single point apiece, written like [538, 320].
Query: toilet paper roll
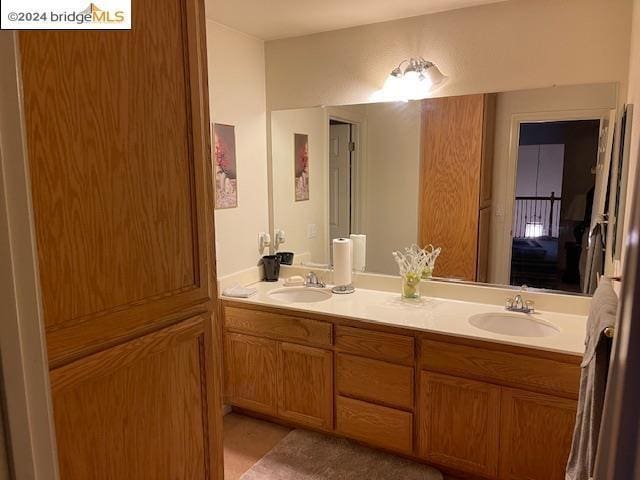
[341, 261]
[359, 252]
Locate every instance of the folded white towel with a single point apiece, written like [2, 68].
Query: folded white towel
[239, 291]
[294, 281]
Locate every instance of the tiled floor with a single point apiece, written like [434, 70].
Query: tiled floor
[247, 440]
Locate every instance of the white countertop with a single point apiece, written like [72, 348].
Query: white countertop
[429, 314]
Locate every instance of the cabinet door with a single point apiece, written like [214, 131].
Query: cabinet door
[250, 372]
[117, 134]
[137, 410]
[535, 436]
[459, 423]
[120, 176]
[305, 385]
[452, 129]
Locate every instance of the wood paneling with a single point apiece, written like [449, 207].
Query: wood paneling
[305, 385]
[250, 365]
[117, 138]
[506, 368]
[136, 410]
[459, 423]
[375, 381]
[536, 435]
[452, 138]
[381, 345]
[484, 231]
[279, 327]
[376, 425]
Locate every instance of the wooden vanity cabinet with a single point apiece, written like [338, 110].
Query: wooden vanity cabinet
[535, 435]
[459, 423]
[470, 407]
[250, 365]
[267, 373]
[305, 385]
[473, 420]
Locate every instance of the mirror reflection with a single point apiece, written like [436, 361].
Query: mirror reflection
[512, 186]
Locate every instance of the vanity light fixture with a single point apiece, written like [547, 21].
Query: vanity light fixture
[416, 80]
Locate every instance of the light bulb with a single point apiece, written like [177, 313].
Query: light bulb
[393, 88]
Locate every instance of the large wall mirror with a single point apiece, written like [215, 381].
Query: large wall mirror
[515, 187]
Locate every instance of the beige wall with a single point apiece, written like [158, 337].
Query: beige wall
[237, 97]
[296, 217]
[390, 157]
[392, 172]
[634, 98]
[499, 47]
[532, 102]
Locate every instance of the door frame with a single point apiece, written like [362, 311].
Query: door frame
[358, 164]
[30, 427]
[503, 273]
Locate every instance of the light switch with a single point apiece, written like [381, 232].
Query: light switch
[312, 230]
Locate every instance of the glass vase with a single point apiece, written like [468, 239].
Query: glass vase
[411, 285]
[427, 273]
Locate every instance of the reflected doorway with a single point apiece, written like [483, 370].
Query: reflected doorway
[341, 146]
[555, 183]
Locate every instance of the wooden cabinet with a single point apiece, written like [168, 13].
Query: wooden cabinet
[135, 410]
[117, 135]
[482, 409]
[374, 424]
[380, 345]
[455, 179]
[558, 376]
[374, 380]
[305, 385]
[459, 423]
[292, 382]
[536, 434]
[279, 327]
[250, 372]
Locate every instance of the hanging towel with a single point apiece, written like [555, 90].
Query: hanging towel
[593, 382]
[594, 264]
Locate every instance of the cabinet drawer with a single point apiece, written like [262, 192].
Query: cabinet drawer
[378, 426]
[501, 367]
[380, 345]
[279, 327]
[375, 380]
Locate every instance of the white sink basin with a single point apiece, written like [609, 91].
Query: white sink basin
[514, 324]
[300, 294]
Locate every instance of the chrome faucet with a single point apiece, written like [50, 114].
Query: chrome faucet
[312, 280]
[518, 303]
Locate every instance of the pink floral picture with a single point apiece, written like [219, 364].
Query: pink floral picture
[301, 155]
[224, 166]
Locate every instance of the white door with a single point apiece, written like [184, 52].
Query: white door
[339, 181]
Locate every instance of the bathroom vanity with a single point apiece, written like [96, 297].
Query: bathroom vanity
[417, 379]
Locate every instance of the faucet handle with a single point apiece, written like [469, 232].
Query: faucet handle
[509, 303]
[529, 304]
[524, 287]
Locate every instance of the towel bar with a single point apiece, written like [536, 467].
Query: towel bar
[609, 331]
